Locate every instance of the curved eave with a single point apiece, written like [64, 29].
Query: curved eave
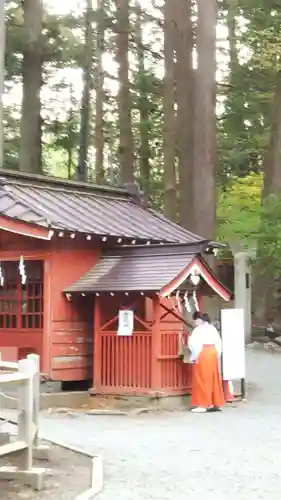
[197, 264]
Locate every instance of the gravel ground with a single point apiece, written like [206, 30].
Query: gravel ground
[235, 454]
[68, 475]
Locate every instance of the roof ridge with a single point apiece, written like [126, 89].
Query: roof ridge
[144, 256]
[12, 177]
[125, 198]
[122, 251]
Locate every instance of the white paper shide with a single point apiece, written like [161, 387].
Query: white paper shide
[125, 323]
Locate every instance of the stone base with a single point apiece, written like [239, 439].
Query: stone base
[76, 400]
[33, 477]
[123, 404]
[50, 387]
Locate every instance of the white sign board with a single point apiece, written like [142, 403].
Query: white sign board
[233, 344]
[126, 322]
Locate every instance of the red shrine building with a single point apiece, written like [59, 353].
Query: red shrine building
[101, 287]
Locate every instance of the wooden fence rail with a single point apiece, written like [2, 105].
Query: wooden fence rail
[25, 375]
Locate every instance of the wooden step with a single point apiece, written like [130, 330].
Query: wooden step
[13, 447]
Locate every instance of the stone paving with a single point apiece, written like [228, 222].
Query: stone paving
[233, 455]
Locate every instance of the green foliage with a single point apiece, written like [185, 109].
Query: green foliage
[238, 210]
[242, 218]
[270, 237]
[255, 58]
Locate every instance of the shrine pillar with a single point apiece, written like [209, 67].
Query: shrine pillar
[156, 346]
[97, 346]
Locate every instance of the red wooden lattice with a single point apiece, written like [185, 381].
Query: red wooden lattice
[32, 306]
[146, 361]
[174, 373]
[126, 361]
[21, 305]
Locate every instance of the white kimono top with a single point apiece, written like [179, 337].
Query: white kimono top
[205, 334]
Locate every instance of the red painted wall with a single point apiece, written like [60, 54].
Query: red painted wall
[65, 343]
[71, 325]
[11, 241]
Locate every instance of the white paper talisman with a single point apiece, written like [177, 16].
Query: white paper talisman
[126, 322]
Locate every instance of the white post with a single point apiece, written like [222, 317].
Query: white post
[243, 288]
[25, 427]
[4, 436]
[35, 359]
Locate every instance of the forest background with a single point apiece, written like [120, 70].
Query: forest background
[181, 96]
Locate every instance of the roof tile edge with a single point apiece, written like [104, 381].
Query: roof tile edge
[12, 176]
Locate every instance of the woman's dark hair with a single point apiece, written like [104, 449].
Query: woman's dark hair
[198, 315]
[203, 316]
[206, 318]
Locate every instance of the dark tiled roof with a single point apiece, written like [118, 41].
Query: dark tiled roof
[85, 208]
[146, 268]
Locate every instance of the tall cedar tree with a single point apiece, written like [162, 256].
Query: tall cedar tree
[99, 85]
[184, 98]
[204, 178]
[85, 127]
[2, 79]
[266, 289]
[124, 94]
[170, 189]
[144, 150]
[30, 126]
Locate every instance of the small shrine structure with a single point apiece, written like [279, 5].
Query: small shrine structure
[98, 285]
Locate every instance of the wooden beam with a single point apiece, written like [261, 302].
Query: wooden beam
[9, 366]
[25, 229]
[48, 306]
[14, 447]
[13, 378]
[177, 316]
[156, 346]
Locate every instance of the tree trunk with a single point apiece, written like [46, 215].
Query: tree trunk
[99, 125]
[232, 12]
[184, 97]
[234, 118]
[30, 126]
[124, 94]
[170, 192]
[69, 162]
[82, 168]
[144, 151]
[2, 79]
[272, 170]
[266, 289]
[204, 182]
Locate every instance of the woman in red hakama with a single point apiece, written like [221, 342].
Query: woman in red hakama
[205, 347]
